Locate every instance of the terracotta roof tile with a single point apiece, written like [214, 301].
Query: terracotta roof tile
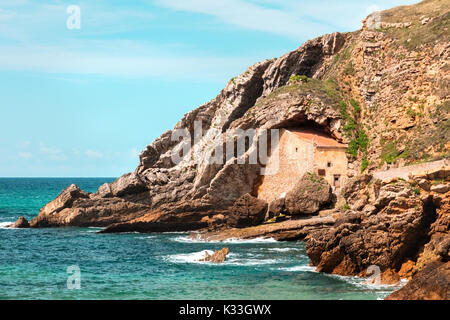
[320, 139]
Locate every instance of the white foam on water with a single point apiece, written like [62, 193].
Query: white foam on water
[147, 237]
[255, 240]
[365, 283]
[198, 239]
[303, 268]
[250, 262]
[281, 249]
[193, 257]
[233, 259]
[4, 224]
[188, 239]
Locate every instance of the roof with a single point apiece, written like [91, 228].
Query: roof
[319, 139]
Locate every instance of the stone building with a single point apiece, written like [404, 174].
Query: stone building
[301, 151]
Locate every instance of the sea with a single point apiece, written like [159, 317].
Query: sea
[80, 263]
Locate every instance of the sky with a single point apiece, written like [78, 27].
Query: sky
[83, 102]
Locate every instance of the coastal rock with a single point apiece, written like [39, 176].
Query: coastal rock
[276, 207]
[386, 239]
[218, 256]
[130, 183]
[65, 200]
[432, 283]
[247, 211]
[308, 196]
[289, 230]
[20, 223]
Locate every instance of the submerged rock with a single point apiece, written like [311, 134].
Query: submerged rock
[218, 256]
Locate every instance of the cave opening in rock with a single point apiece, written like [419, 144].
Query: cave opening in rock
[429, 216]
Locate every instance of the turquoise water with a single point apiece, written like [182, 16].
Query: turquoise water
[34, 262]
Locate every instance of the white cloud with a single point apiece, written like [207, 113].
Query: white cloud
[249, 16]
[290, 18]
[25, 155]
[94, 154]
[53, 154]
[83, 58]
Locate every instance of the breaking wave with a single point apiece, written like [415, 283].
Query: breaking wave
[198, 239]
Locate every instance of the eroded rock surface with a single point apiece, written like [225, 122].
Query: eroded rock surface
[432, 283]
[308, 196]
[218, 256]
[247, 211]
[21, 223]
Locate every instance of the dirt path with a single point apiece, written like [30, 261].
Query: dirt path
[417, 169]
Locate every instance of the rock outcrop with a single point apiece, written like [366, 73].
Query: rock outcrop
[432, 283]
[218, 256]
[256, 99]
[21, 223]
[308, 196]
[247, 211]
[401, 229]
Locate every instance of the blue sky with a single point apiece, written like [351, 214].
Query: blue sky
[85, 102]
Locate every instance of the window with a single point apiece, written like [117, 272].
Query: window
[329, 164]
[321, 172]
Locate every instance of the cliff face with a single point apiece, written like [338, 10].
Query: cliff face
[185, 195]
[382, 89]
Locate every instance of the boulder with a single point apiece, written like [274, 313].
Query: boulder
[104, 191]
[247, 211]
[218, 256]
[276, 207]
[129, 183]
[64, 200]
[308, 196]
[440, 188]
[21, 223]
[432, 283]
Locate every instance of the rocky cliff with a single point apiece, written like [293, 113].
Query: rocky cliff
[383, 90]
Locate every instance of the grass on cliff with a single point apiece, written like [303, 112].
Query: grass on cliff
[417, 34]
[326, 90]
[426, 143]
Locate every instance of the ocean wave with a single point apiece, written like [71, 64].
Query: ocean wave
[192, 257]
[299, 268]
[233, 259]
[364, 282]
[250, 262]
[281, 249]
[198, 239]
[4, 224]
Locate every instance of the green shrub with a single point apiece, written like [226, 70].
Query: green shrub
[355, 105]
[364, 163]
[298, 78]
[353, 148]
[363, 140]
